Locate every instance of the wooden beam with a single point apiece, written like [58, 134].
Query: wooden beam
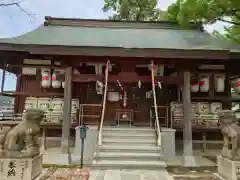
[28, 94]
[86, 78]
[131, 79]
[37, 66]
[126, 78]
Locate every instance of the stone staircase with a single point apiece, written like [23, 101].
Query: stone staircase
[129, 148]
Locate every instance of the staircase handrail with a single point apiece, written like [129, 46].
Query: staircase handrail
[158, 131]
[104, 104]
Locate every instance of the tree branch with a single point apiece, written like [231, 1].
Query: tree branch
[12, 4]
[19, 6]
[138, 16]
[230, 22]
[235, 13]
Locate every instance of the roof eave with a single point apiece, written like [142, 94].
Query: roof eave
[113, 51]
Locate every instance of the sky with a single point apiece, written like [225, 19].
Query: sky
[15, 21]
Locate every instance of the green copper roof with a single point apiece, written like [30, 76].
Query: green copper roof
[124, 36]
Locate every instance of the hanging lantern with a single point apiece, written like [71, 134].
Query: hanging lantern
[159, 85]
[99, 87]
[237, 85]
[195, 87]
[204, 83]
[62, 72]
[46, 78]
[63, 84]
[55, 83]
[139, 84]
[194, 84]
[219, 83]
[124, 96]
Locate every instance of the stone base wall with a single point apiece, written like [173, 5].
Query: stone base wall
[228, 169]
[20, 168]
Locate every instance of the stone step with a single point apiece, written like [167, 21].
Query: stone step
[127, 135]
[128, 156]
[130, 164]
[129, 148]
[132, 140]
[142, 132]
[128, 129]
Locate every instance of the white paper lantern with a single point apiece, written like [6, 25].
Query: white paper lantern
[63, 84]
[195, 87]
[237, 85]
[194, 83]
[55, 83]
[46, 78]
[204, 83]
[220, 83]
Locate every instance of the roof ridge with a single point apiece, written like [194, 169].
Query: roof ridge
[53, 21]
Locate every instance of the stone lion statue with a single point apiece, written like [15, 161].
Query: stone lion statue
[22, 140]
[231, 133]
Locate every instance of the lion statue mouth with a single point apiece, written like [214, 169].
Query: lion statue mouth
[22, 140]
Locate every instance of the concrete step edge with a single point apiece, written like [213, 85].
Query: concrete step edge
[130, 163]
[129, 130]
[114, 139]
[125, 158]
[129, 144]
[127, 141]
[153, 154]
[128, 134]
[117, 167]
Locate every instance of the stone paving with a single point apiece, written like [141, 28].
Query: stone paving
[78, 174]
[125, 174]
[197, 177]
[176, 171]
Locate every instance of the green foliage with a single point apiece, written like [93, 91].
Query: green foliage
[188, 12]
[137, 10]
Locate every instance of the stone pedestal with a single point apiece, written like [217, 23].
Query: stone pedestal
[168, 143]
[228, 169]
[89, 144]
[20, 168]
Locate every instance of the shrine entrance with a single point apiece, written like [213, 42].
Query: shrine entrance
[137, 95]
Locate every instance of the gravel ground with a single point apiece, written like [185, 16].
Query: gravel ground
[63, 174]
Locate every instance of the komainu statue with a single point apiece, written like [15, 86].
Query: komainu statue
[22, 140]
[231, 133]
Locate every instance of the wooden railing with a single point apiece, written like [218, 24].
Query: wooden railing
[104, 104]
[83, 115]
[164, 117]
[157, 127]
